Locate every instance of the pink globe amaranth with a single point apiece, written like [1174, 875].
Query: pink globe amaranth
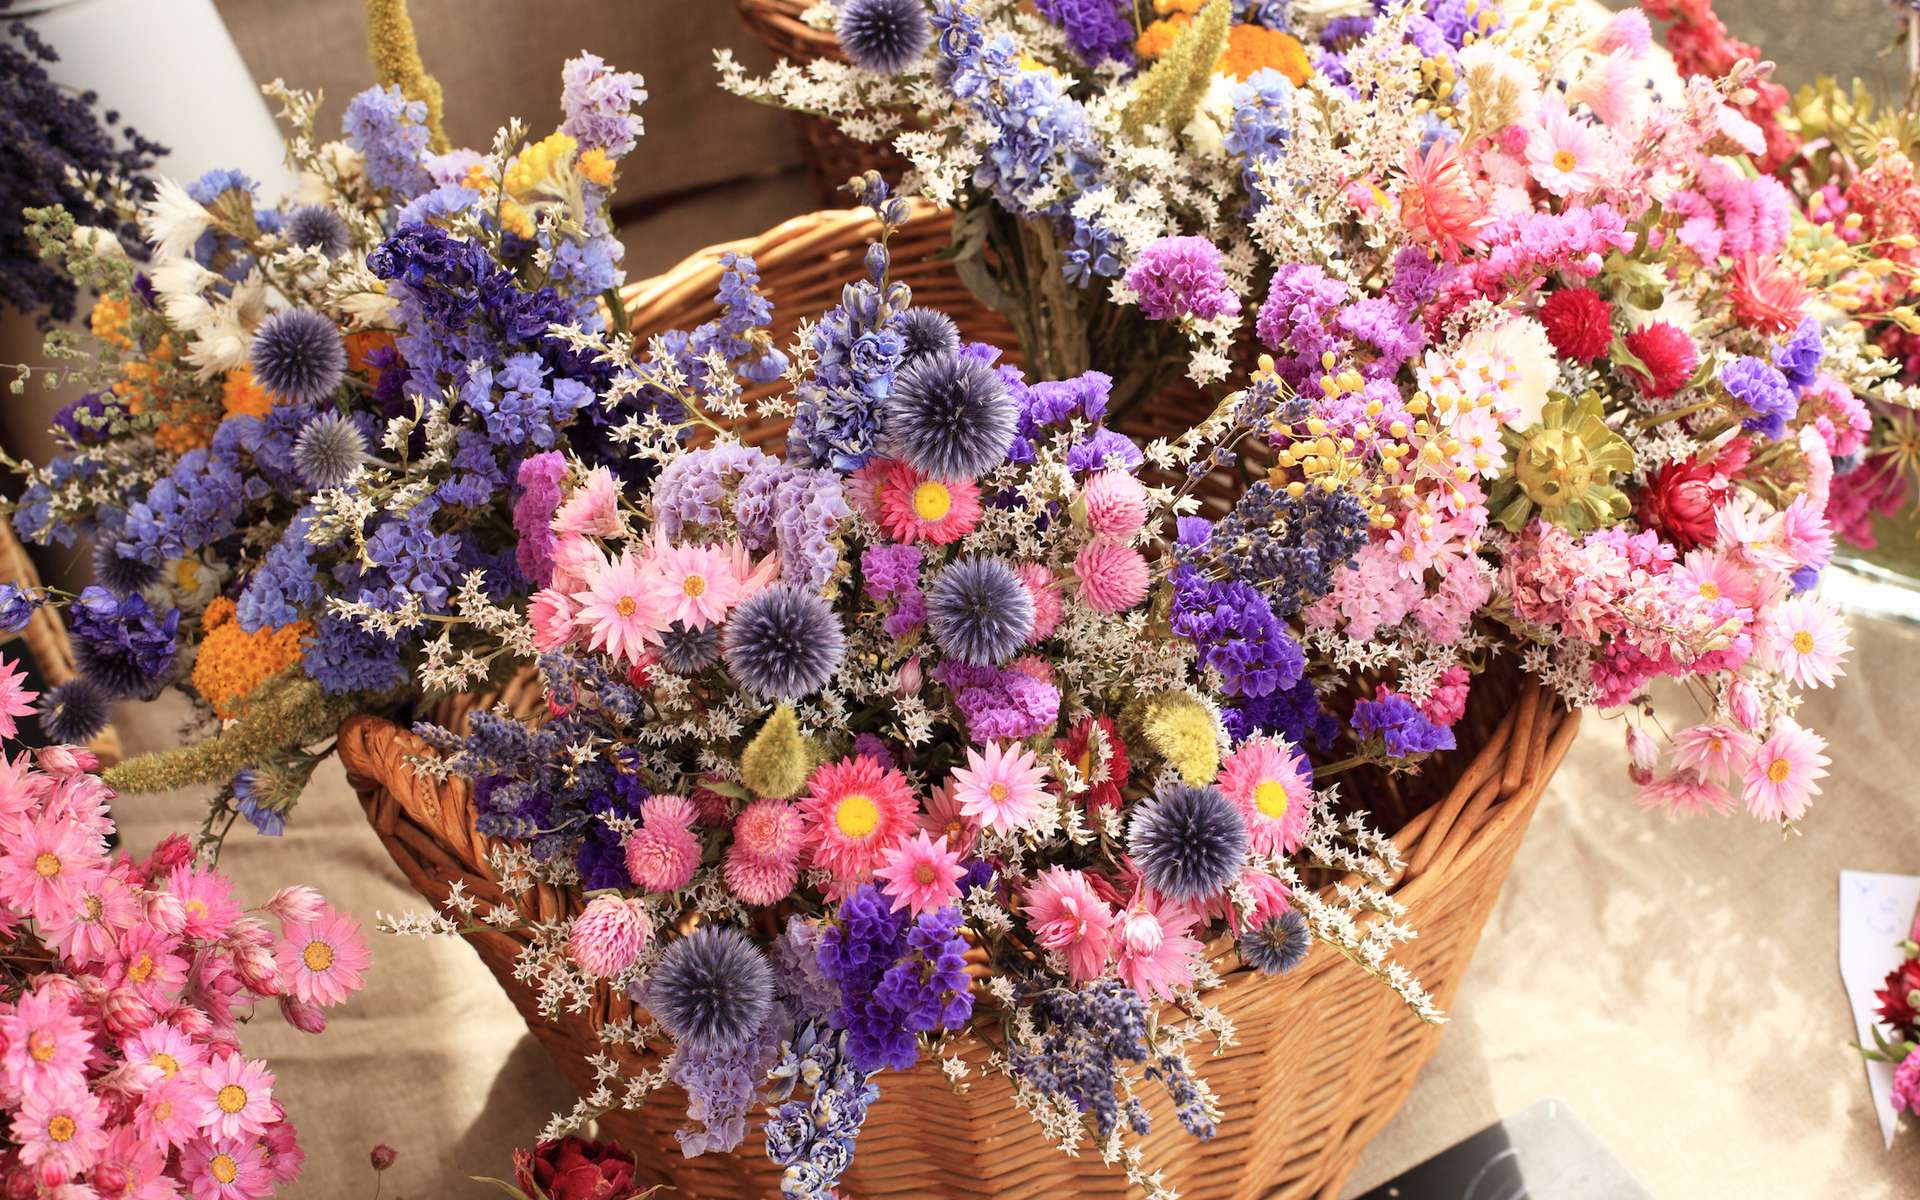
[1115, 504]
[662, 858]
[1113, 577]
[608, 935]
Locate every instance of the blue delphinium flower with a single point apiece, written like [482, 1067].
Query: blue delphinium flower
[1403, 729]
[836, 419]
[1190, 842]
[784, 643]
[1097, 30]
[120, 643]
[391, 132]
[979, 611]
[16, 607]
[711, 989]
[1260, 127]
[1765, 391]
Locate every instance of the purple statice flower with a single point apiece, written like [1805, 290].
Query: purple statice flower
[722, 1083]
[405, 556]
[391, 132]
[343, 658]
[85, 420]
[1765, 391]
[1295, 713]
[539, 478]
[803, 989]
[997, 704]
[1418, 278]
[599, 103]
[1177, 277]
[796, 511]
[1798, 358]
[284, 586]
[891, 573]
[1097, 30]
[1403, 729]
[1054, 403]
[1104, 449]
[1393, 333]
[1294, 316]
[874, 747]
[813, 1142]
[929, 987]
[120, 643]
[898, 977]
[1234, 632]
[474, 476]
[695, 489]
[518, 404]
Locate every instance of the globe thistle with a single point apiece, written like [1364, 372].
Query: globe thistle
[687, 651]
[328, 450]
[75, 712]
[712, 989]
[979, 611]
[926, 332]
[317, 227]
[884, 36]
[1190, 842]
[949, 415]
[298, 356]
[119, 575]
[783, 643]
[1278, 945]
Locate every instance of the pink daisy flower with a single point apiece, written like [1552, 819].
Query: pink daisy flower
[1806, 641]
[164, 1051]
[321, 961]
[921, 874]
[1805, 534]
[1713, 751]
[1262, 778]
[168, 1114]
[1713, 575]
[618, 609]
[1067, 917]
[1781, 778]
[692, 584]
[918, 508]
[206, 901]
[769, 831]
[1001, 788]
[593, 508]
[855, 811]
[130, 1168]
[224, 1169]
[1565, 155]
[662, 857]
[945, 818]
[45, 863]
[47, 1043]
[1685, 793]
[1115, 504]
[1153, 952]
[608, 935]
[148, 963]
[61, 1131]
[1045, 595]
[1113, 578]
[89, 930]
[1438, 204]
[15, 700]
[236, 1097]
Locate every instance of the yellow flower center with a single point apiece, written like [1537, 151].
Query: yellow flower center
[168, 1064]
[932, 501]
[1803, 642]
[1709, 590]
[318, 956]
[857, 816]
[163, 1111]
[224, 1168]
[231, 1098]
[626, 606]
[196, 908]
[1271, 799]
[47, 865]
[997, 792]
[1778, 770]
[93, 909]
[1563, 160]
[141, 968]
[186, 575]
[694, 585]
[61, 1128]
[41, 1046]
[1407, 552]
[923, 873]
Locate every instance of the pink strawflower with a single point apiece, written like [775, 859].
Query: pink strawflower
[168, 1111]
[552, 615]
[921, 874]
[61, 1131]
[758, 881]
[1001, 787]
[15, 700]
[88, 930]
[1627, 30]
[1713, 750]
[47, 1043]
[1781, 778]
[1714, 575]
[284, 1154]
[1262, 778]
[593, 509]
[1270, 899]
[163, 1052]
[1045, 595]
[692, 584]
[1685, 793]
[236, 1097]
[1806, 641]
[296, 903]
[1438, 204]
[619, 609]
[855, 811]
[321, 961]
[1906, 1084]
[45, 863]
[575, 559]
[149, 963]
[206, 901]
[944, 817]
[1152, 950]
[1113, 577]
[1804, 533]
[1565, 155]
[662, 857]
[1115, 504]
[1067, 917]
[132, 1168]
[222, 1169]
[769, 831]
[608, 935]
[918, 508]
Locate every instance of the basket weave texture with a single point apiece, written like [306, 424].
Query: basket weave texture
[46, 635]
[832, 157]
[1324, 1056]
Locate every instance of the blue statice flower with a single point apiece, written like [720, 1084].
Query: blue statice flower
[343, 658]
[518, 402]
[16, 607]
[474, 476]
[120, 643]
[198, 503]
[1798, 358]
[1102, 450]
[1765, 391]
[391, 132]
[1054, 403]
[722, 1084]
[1235, 632]
[405, 556]
[285, 585]
[813, 1141]
[598, 104]
[1085, 1040]
[1097, 30]
[898, 977]
[1402, 728]
[215, 183]
[1261, 126]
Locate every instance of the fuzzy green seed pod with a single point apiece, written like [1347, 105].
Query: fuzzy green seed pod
[777, 762]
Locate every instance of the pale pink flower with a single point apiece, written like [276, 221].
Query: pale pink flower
[552, 615]
[61, 1131]
[619, 610]
[608, 935]
[1615, 88]
[321, 961]
[1115, 504]
[1781, 778]
[921, 874]
[1113, 577]
[1262, 778]
[1759, 536]
[1714, 575]
[161, 1052]
[88, 930]
[1565, 155]
[575, 559]
[1153, 952]
[1717, 752]
[1743, 703]
[1685, 793]
[1805, 535]
[168, 1111]
[47, 1043]
[206, 899]
[1067, 917]
[284, 1154]
[226, 1169]
[593, 509]
[15, 700]
[45, 863]
[307, 1018]
[1806, 641]
[1045, 595]
[296, 904]
[236, 1097]
[1002, 787]
[945, 817]
[1906, 1084]
[691, 583]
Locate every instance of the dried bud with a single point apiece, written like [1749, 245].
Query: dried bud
[1642, 751]
[65, 760]
[256, 968]
[1743, 702]
[173, 851]
[165, 912]
[297, 905]
[382, 1156]
[307, 1018]
[124, 1012]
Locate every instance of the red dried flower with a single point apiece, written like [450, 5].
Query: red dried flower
[1670, 356]
[1766, 297]
[382, 1156]
[575, 1169]
[1896, 1009]
[1579, 323]
[1094, 747]
[1681, 498]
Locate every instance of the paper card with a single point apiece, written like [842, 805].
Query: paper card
[1876, 912]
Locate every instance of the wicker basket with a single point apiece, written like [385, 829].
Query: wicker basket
[832, 156]
[46, 635]
[1325, 1055]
